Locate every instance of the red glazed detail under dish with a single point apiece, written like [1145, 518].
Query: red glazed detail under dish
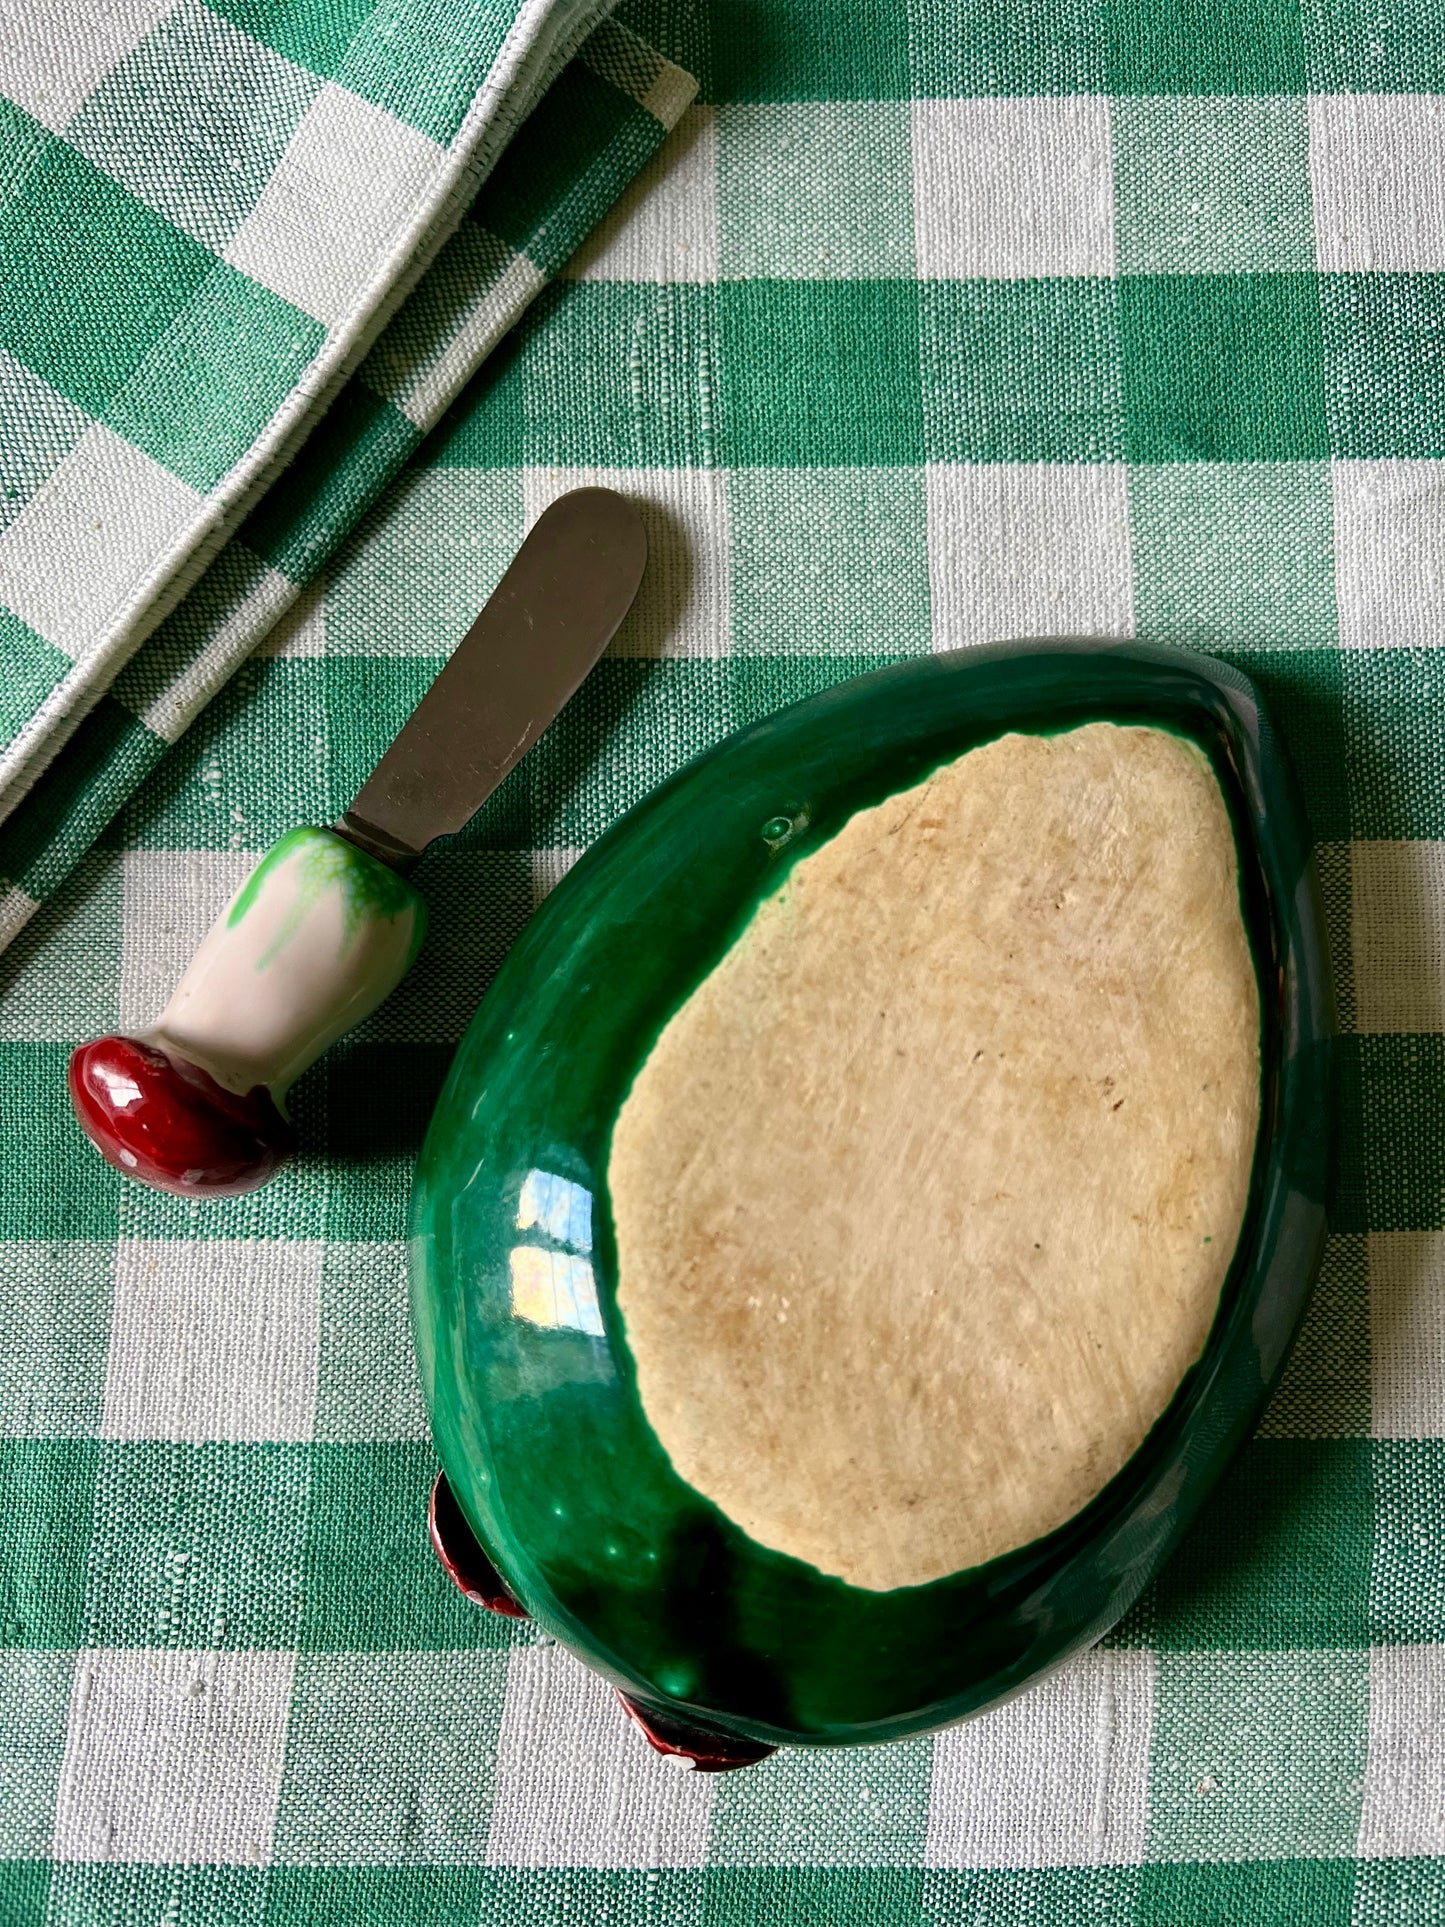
[472, 1573]
[164, 1120]
[463, 1561]
[708, 1752]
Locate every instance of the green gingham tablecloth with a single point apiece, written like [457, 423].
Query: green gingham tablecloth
[205, 220]
[935, 323]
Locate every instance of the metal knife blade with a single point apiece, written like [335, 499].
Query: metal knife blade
[549, 619]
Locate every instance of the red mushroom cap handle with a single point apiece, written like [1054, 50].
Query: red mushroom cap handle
[157, 1117]
[312, 942]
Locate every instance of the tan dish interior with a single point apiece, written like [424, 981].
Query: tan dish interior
[925, 1197]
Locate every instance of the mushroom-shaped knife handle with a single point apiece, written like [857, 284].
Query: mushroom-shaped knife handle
[326, 926]
[310, 944]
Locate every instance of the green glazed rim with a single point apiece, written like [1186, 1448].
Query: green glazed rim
[541, 1432]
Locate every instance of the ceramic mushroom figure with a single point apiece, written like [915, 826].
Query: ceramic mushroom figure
[319, 934]
[809, 1341]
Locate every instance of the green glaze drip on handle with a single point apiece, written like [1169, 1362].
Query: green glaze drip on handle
[318, 935]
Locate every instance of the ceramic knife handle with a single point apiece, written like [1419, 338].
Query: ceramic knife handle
[318, 935]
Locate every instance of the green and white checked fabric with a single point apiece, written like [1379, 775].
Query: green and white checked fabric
[203, 222]
[935, 323]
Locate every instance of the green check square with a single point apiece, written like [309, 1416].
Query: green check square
[194, 121]
[809, 1896]
[970, 48]
[197, 1545]
[840, 1807]
[391, 1758]
[758, 686]
[200, 398]
[373, 1582]
[1303, 691]
[829, 561]
[1384, 379]
[1222, 367]
[1218, 185]
[41, 1147]
[251, 767]
[365, 1107]
[1257, 1755]
[178, 1896]
[1264, 1893]
[420, 62]
[1028, 1897]
[306, 515]
[1352, 47]
[22, 143]
[1203, 47]
[1325, 1390]
[536, 201]
[1021, 371]
[438, 997]
[47, 1492]
[129, 276]
[293, 1204]
[828, 50]
[367, 699]
[818, 373]
[1278, 1558]
[822, 190]
[55, 1313]
[1392, 698]
[1402, 1131]
[625, 402]
[34, 668]
[632, 724]
[1234, 552]
[109, 754]
[34, 1697]
[313, 33]
[1407, 1585]
[1387, 1891]
[454, 1896]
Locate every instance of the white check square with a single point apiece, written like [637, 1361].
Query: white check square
[1404, 1806]
[168, 901]
[1011, 189]
[1397, 936]
[213, 1338]
[73, 557]
[53, 53]
[1377, 175]
[1028, 548]
[173, 1757]
[1407, 1334]
[337, 205]
[578, 1786]
[1389, 553]
[664, 226]
[1056, 1778]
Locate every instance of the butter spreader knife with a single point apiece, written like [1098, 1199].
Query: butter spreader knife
[326, 926]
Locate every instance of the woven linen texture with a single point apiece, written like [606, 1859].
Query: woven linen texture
[932, 324]
[595, 126]
[205, 215]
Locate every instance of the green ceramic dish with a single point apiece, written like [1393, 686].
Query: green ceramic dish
[539, 1426]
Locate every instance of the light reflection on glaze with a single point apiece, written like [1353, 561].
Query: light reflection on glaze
[557, 1208]
[555, 1289]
